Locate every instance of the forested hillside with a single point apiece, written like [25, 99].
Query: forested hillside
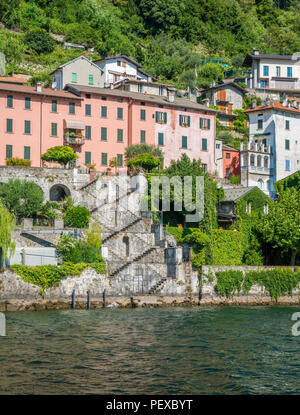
[170, 38]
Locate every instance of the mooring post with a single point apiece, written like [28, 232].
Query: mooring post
[200, 289]
[88, 303]
[73, 299]
[104, 298]
[132, 303]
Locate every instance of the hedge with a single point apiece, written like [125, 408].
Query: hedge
[227, 247]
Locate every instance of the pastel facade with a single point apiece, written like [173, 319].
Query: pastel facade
[273, 151]
[231, 161]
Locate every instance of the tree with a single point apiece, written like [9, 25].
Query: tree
[7, 225]
[281, 226]
[39, 41]
[60, 154]
[21, 197]
[145, 162]
[135, 150]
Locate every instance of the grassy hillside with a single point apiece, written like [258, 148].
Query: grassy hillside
[187, 42]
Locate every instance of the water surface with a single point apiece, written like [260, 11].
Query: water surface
[230, 350]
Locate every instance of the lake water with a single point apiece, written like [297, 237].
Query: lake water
[230, 350]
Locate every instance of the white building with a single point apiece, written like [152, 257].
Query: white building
[279, 72]
[273, 151]
[117, 68]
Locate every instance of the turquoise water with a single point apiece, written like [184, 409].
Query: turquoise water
[228, 350]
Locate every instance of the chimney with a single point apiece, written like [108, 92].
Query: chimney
[255, 51]
[39, 87]
[171, 94]
[254, 103]
[206, 102]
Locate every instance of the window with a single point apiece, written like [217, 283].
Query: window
[54, 106]
[88, 96]
[71, 107]
[103, 98]
[161, 90]
[266, 71]
[161, 117]
[9, 101]
[120, 135]
[184, 120]
[140, 88]
[204, 144]
[287, 125]
[9, 125]
[228, 155]
[27, 103]
[88, 110]
[88, 132]
[205, 123]
[204, 166]
[103, 112]
[9, 151]
[27, 128]
[103, 159]
[258, 163]
[218, 146]
[54, 129]
[74, 77]
[119, 63]
[277, 70]
[143, 115]
[91, 80]
[87, 157]
[263, 84]
[289, 71]
[259, 124]
[120, 160]
[103, 134]
[120, 113]
[26, 153]
[227, 173]
[160, 139]
[120, 99]
[184, 141]
[287, 165]
[252, 160]
[287, 144]
[143, 136]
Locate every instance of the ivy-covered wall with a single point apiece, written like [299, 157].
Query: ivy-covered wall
[291, 181]
[227, 247]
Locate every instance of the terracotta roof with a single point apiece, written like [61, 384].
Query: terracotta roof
[13, 79]
[155, 99]
[275, 106]
[24, 89]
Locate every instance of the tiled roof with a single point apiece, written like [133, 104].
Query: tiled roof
[275, 106]
[32, 90]
[225, 83]
[13, 79]
[155, 99]
[226, 147]
[251, 56]
[119, 57]
[74, 60]
[235, 193]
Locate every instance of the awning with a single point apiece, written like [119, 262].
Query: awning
[75, 124]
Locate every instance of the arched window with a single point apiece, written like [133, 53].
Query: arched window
[258, 161]
[252, 160]
[266, 162]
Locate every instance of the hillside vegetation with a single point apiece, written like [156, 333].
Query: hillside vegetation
[187, 42]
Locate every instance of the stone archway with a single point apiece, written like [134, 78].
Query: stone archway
[58, 192]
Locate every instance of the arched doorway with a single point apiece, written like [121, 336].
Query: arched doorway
[58, 192]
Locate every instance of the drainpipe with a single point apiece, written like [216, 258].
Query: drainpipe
[41, 129]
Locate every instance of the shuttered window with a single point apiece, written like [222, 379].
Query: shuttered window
[120, 160]
[54, 105]
[160, 139]
[120, 113]
[74, 77]
[184, 141]
[54, 129]
[9, 101]
[71, 107]
[103, 134]
[27, 103]
[9, 151]
[26, 153]
[9, 125]
[91, 80]
[103, 112]
[184, 120]
[161, 117]
[205, 123]
[204, 144]
[88, 157]
[27, 127]
[88, 110]
[143, 136]
[120, 135]
[104, 159]
[143, 115]
[88, 132]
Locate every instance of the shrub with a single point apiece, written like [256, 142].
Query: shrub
[60, 154]
[146, 162]
[235, 179]
[77, 217]
[227, 247]
[15, 161]
[228, 282]
[39, 41]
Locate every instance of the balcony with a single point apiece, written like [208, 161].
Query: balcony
[71, 139]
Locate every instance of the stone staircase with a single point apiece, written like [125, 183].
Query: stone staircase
[188, 279]
[135, 259]
[158, 286]
[123, 229]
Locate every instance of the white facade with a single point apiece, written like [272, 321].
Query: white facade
[118, 68]
[273, 151]
[219, 157]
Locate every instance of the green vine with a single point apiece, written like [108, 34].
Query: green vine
[229, 282]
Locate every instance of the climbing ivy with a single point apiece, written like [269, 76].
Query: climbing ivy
[7, 225]
[228, 282]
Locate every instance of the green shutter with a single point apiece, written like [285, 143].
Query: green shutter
[71, 107]
[27, 103]
[91, 80]
[208, 124]
[9, 101]
[165, 117]
[9, 149]
[143, 115]
[74, 77]
[180, 119]
[188, 121]
[54, 129]
[120, 135]
[87, 109]
[54, 105]
[26, 153]
[160, 139]
[120, 113]
[156, 116]
[103, 134]
[204, 144]
[27, 127]
[9, 125]
[88, 134]
[143, 136]
[88, 157]
[201, 122]
[120, 160]
[184, 141]
[104, 159]
[103, 112]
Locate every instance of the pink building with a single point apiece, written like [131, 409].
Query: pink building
[99, 123]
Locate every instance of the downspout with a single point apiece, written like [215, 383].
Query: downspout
[41, 129]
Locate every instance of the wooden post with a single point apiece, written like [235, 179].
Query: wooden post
[88, 303]
[104, 298]
[73, 299]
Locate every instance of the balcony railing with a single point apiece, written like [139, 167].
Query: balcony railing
[75, 140]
